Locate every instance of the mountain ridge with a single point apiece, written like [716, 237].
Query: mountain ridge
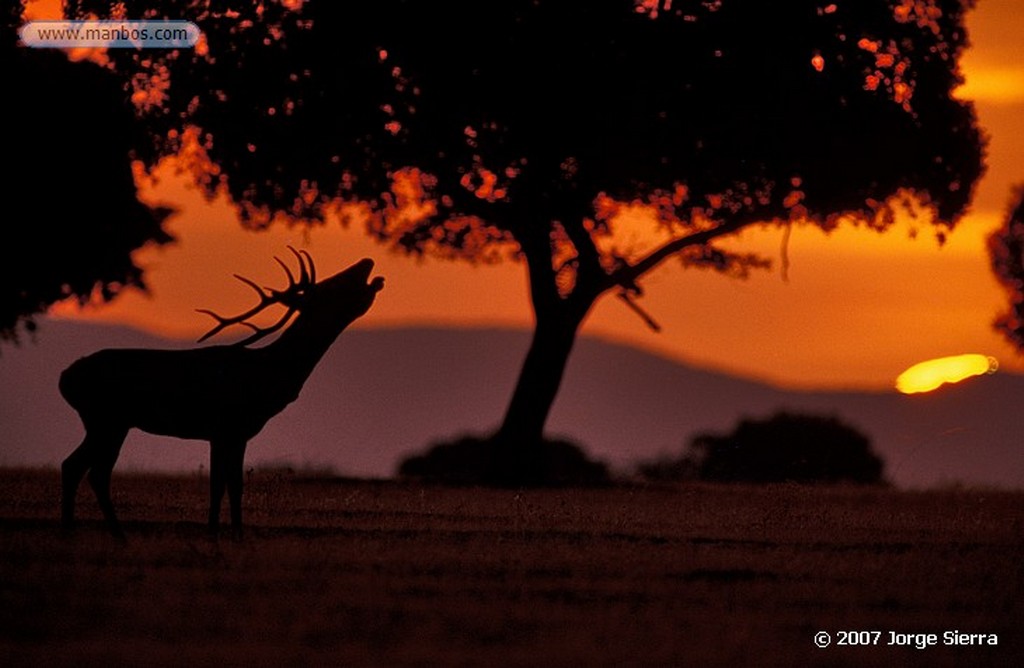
[381, 394]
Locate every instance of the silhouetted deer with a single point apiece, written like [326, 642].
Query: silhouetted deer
[222, 394]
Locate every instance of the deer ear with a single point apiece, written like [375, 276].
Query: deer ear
[297, 300]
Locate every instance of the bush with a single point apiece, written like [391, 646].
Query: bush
[786, 447]
[476, 460]
[669, 469]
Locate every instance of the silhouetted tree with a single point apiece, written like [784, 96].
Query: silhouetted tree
[72, 212]
[486, 130]
[786, 447]
[1006, 246]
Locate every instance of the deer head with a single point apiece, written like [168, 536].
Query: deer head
[335, 301]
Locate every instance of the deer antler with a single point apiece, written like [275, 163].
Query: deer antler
[289, 297]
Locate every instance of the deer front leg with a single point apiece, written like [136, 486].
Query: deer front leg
[236, 472]
[218, 478]
[226, 472]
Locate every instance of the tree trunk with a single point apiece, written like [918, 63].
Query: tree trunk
[517, 455]
[539, 380]
[518, 440]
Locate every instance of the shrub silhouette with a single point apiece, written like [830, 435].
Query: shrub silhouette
[481, 460]
[668, 468]
[786, 447]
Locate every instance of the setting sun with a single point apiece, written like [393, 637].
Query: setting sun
[932, 374]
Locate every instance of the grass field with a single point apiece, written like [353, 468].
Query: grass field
[349, 573]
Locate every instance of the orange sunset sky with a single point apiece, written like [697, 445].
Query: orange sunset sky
[857, 309]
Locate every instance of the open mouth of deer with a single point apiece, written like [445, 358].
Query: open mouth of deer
[362, 271]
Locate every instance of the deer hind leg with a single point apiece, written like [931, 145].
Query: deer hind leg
[226, 472]
[71, 473]
[97, 454]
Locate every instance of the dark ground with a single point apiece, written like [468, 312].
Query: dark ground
[335, 572]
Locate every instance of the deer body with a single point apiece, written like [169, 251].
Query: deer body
[216, 392]
[221, 394]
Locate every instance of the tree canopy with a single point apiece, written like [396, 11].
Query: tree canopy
[72, 206]
[523, 116]
[1007, 251]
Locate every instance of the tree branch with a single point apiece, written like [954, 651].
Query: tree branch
[644, 315]
[589, 274]
[627, 274]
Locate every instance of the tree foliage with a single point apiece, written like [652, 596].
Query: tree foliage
[1006, 247]
[74, 218]
[786, 447]
[521, 118]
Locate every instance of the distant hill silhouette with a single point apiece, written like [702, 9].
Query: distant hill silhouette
[381, 394]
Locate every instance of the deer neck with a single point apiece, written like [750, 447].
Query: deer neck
[298, 350]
